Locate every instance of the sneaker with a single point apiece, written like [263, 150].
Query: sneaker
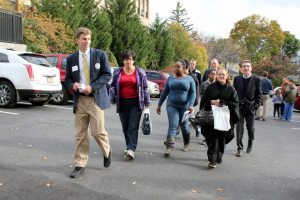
[238, 153]
[257, 118]
[212, 165]
[130, 154]
[125, 151]
[185, 148]
[263, 119]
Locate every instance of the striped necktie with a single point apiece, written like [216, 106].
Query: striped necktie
[86, 69]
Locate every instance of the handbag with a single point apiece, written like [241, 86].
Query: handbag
[221, 117]
[146, 123]
[204, 118]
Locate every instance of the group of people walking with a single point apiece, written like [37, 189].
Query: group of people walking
[88, 72]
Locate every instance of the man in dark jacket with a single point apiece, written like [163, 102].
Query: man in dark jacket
[248, 87]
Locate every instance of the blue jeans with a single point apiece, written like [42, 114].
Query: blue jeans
[175, 115]
[130, 115]
[288, 111]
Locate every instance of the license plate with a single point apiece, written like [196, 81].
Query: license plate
[50, 79]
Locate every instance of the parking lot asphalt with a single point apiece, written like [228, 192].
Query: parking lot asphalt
[37, 145]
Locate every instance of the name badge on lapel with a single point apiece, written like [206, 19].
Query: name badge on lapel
[74, 68]
[97, 65]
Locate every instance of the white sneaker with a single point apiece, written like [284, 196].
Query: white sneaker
[125, 151]
[130, 154]
[185, 147]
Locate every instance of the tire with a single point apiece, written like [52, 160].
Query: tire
[61, 98]
[7, 95]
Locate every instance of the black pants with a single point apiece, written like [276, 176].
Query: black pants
[282, 108]
[249, 118]
[130, 115]
[277, 108]
[215, 141]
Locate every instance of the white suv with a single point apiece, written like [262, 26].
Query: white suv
[26, 76]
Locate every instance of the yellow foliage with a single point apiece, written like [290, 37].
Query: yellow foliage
[42, 34]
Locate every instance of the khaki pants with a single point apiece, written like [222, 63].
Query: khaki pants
[88, 113]
[261, 112]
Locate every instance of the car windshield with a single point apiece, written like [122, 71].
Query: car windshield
[36, 59]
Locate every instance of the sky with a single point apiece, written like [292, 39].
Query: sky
[217, 17]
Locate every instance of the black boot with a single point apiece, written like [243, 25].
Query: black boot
[249, 147]
[186, 142]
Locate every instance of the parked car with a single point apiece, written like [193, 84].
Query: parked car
[158, 77]
[152, 87]
[26, 76]
[60, 62]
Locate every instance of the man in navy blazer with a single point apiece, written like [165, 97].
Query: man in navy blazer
[87, 74]
[249, 92]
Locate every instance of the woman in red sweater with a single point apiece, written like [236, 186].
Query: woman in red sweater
[130, 90]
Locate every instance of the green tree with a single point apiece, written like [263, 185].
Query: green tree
[185, 47]
[277, 66]
[128, 32]
[259, 36]
[43, 34]
[164, 51]
[68, 11]
[291, 45]
[84, 13]
[179, 15]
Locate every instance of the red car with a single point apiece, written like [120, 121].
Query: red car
[60, 62]
[158, 77]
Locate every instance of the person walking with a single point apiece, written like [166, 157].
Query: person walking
[87, 73]
[181, 93]
[214, 65]
[248, 87]
[219, 93]
[283, 87]
[289, 99]
[211, 79]
[277, 101]
[130, 91]
[266, 86]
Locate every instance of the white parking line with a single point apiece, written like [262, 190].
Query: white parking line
[296, 128]
[10, 113]
[60, 107]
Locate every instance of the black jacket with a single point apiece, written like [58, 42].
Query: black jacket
[251, 98]
[228, 96]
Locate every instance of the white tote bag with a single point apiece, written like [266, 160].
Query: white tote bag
[221, 117]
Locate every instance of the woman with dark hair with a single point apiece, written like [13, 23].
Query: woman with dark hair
[181, 93]
[219, 93]
[130, 91]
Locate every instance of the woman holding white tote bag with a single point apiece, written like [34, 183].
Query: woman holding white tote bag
[219, 94]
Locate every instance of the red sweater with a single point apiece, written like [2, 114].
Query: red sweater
[128, 85]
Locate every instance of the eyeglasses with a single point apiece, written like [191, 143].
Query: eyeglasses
[177, 66]
[130, 59]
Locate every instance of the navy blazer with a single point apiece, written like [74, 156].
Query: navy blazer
[100, 75]
[251, 98]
